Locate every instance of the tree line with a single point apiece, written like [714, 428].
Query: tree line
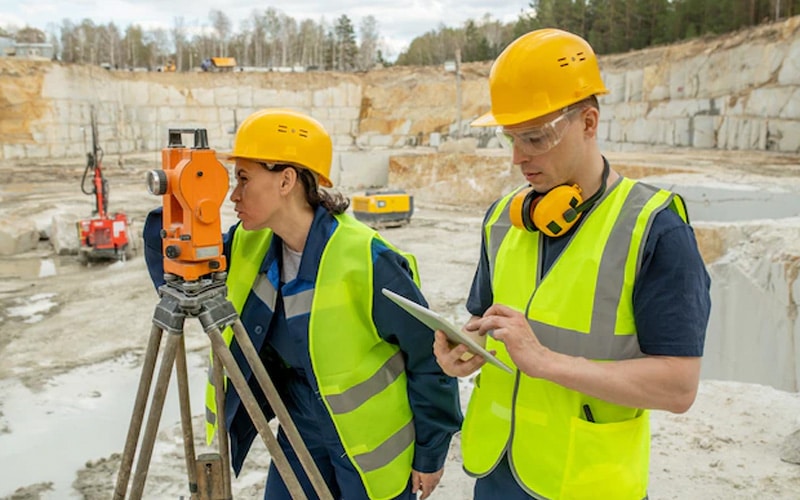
[610, 26]
[271, 39]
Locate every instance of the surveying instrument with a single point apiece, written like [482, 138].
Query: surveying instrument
[193, 185]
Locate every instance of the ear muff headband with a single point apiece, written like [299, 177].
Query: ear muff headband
[555, 212]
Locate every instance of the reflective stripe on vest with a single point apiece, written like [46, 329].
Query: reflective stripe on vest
[583, 307]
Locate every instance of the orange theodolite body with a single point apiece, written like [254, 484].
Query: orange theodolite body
[195, 188]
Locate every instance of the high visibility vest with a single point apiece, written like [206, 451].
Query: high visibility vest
[361, 377]
[582, 306]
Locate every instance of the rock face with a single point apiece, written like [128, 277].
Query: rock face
[735, 92]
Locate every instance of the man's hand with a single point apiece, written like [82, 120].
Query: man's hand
[512, 328]
[451, 357]
[425, 482]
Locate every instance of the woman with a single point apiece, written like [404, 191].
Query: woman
[306, 280]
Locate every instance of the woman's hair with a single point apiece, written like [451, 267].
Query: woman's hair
[334, 202]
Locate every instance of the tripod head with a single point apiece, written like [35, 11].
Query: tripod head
[193, 185]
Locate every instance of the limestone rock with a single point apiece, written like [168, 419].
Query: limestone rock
[17, 235]
[790, 451]
[64, 234]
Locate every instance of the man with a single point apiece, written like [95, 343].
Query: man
[591, 284]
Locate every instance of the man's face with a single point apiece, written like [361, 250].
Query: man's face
[544, 148]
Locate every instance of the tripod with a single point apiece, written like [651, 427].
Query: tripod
[206, 300]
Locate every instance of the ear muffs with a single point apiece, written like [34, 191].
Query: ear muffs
[556, 211]
[553, 213]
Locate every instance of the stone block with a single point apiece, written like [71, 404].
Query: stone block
[789, 73]
[633, 85]
[769, 102]
[63, 235]
[226, 97]
[683, 132]
[783, 136]
[17, 235]
[615, 83]
[704, 132]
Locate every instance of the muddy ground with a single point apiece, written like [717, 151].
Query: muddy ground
[72, 339]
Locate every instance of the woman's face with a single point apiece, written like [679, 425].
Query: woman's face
[256, 196]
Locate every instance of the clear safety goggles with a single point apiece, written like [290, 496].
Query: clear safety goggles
[539, 139]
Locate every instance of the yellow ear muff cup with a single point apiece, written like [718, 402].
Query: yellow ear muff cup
[520, 210]
[552, 212]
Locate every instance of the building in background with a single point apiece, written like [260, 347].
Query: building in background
[10, 48]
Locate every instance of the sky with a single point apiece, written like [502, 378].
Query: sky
[399, 22]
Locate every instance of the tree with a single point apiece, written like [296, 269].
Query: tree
[346, 48]
[272, 20]
[30, 35]
[136, 53]
[179, 39]
[258, 39]
[222, 25]
[368, 50]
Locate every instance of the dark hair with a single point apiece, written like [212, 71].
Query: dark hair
[334, 202]
[590, 101]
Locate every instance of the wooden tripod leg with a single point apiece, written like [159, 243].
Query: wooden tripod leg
[222, 431]
[256, 415]
[181, 373]
[264, 380]
[137, 416]
[156, 406]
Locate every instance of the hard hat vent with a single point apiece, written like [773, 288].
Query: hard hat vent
[578, 57]
[284, 129]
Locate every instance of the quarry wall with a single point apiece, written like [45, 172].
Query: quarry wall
[736, 92]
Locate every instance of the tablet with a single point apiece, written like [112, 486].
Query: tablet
[436, 322]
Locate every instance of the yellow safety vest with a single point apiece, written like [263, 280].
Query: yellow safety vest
[582, 306]
[360, 376]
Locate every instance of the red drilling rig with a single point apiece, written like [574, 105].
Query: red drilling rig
[103, 236]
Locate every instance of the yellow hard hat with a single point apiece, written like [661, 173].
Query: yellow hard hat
[284, 136]
[538, 73]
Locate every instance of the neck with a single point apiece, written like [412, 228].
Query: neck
[594, 180]
[294, 227]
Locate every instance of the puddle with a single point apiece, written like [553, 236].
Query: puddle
[33, 309]
[34, 267]
[79, 416]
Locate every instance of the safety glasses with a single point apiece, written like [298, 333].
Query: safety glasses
[539, 139]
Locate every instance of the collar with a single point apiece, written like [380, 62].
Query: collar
[319, 233]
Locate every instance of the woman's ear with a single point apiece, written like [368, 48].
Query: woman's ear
[288, 179]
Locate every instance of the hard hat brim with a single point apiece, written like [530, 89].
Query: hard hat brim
[229, 157]
[487, 120]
